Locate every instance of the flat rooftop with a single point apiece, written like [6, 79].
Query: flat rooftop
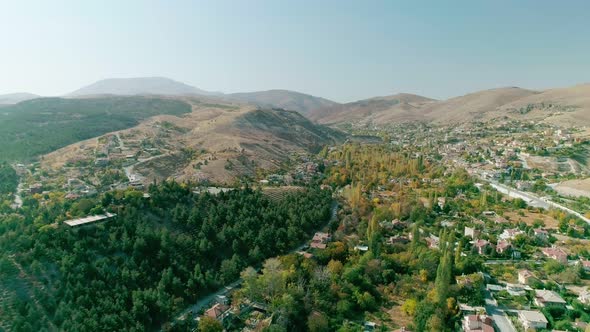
[89, 219]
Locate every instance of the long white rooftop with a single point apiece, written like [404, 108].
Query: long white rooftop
[89, 219]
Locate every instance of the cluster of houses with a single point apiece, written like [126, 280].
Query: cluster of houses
[320, 240]
[530, 319]
[304, 172]
[254, 315]
[478, 323]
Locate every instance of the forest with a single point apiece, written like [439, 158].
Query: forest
[8, 179]
[343, 284]
[42, 125]
[157, 256]
[8, 184]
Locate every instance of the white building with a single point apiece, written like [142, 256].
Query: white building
[532, 319]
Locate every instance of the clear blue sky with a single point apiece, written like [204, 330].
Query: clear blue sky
[342, 50]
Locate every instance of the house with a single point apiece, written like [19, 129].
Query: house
[555, 253]
[469, 310]
[510, 234]
[369, 326]
[305, 254]
[515, 289]
[532, 319]
[433, 241]
[545, 298]
[541, 234]
[397, 239]
[524, 276]
[36, 188]
[398, 224]
[320, 240]
[72, 196]
[447, 223]
[481, 246]
[584, 296]
[402, 329]
[217, 311]
[362, 248]
[477, 323]
[471, 231]
[503, 246]
[494, 288]
[585, 264]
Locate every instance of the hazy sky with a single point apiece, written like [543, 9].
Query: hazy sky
[342, 50]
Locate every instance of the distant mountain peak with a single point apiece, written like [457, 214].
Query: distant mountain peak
[286, 99]
[397, 107]
[139, 86]
[15, 98]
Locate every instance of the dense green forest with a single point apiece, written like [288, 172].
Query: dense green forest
[160, 254]
[8, 179]
[42, 125]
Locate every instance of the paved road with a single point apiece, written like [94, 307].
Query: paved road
[18, 200]
[509, 261]
[503, 324]
[534, 200]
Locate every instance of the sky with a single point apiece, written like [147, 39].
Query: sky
[341, 50]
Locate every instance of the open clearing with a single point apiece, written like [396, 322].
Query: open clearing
[574, 188]
[530, 217]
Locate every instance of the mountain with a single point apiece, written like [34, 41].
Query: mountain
[14, 98]
[39, 126]
[475, 106]
[289, 100]
[399, 107]
[139, 86]
[563, 106]
[218, 141]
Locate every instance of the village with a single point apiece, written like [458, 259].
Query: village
[528, 244]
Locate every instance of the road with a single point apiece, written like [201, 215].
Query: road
[502, 322]
[18, 200]
[207, 300]
[534, 200]
[509, 261]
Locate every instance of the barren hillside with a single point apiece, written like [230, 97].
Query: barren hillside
[289, 100]
[216, 141]
[474, 106]
[395, 108]
[563, 106]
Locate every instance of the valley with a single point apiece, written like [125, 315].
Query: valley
[266, 166]
[442, 205]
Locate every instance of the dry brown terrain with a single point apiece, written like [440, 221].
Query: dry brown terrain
[289, 100]
[574, 188]
[396, 108]
[475, 106]
[565, 106]
[216, 141]
[552, 164]
[530, 217]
